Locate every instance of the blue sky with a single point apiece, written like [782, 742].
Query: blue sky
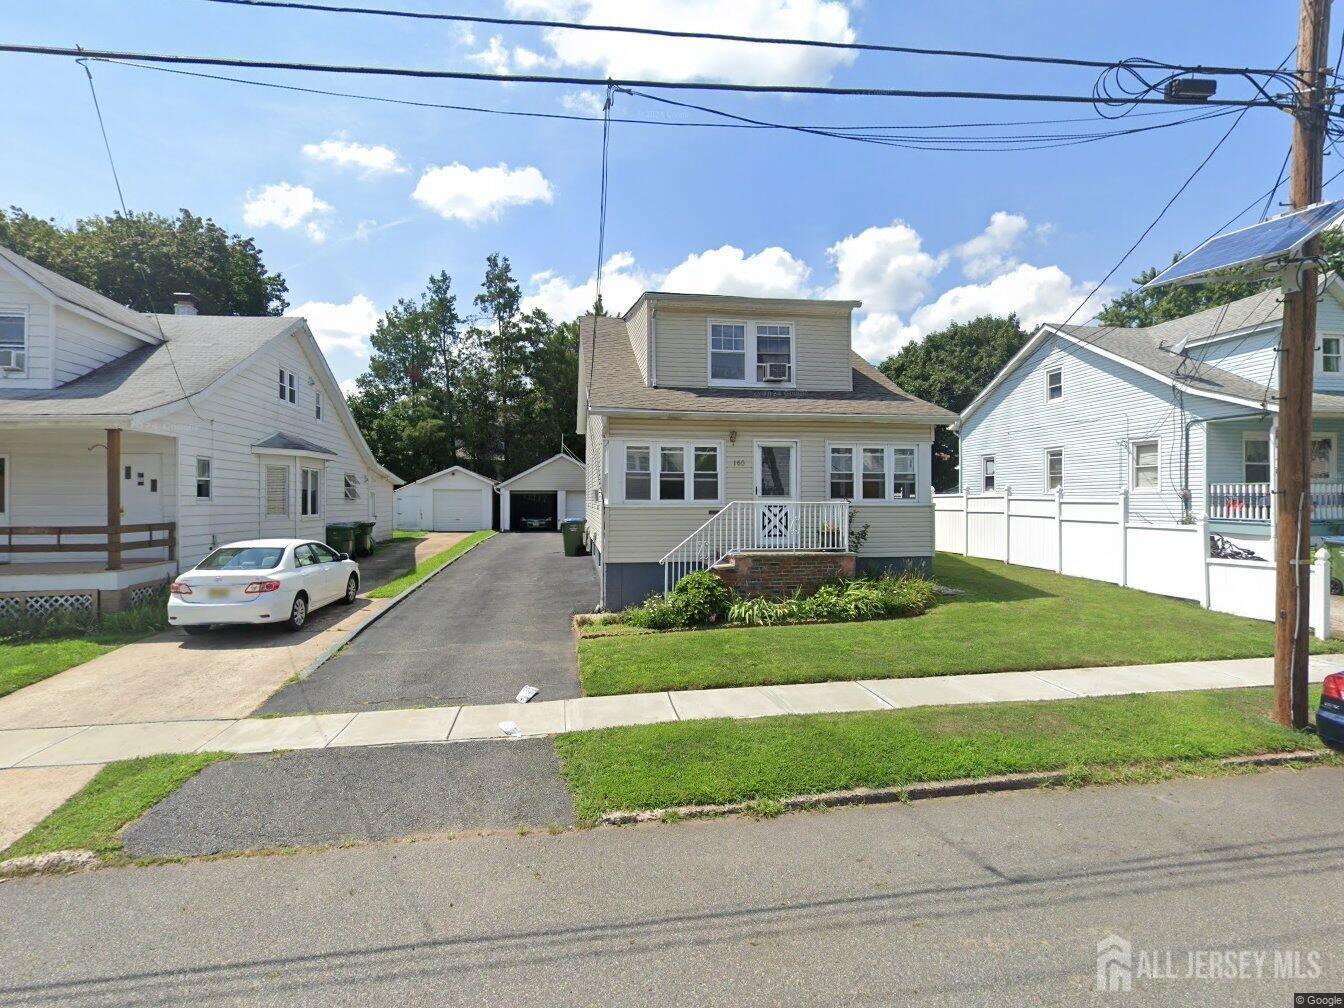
[357, 202]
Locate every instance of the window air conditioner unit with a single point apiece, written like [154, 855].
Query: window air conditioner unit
[773, 372]
[11, 360]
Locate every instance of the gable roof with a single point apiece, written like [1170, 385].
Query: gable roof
[66, 291]
[444, 472]
[616, 386]
[540, 465]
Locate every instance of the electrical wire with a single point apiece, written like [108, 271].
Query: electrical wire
[383, 71]
[515, 22]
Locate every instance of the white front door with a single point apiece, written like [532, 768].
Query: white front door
[141, 489]
[776, 493]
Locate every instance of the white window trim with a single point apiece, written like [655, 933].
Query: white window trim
[1256, 436]
[209, 479]
[1133, 466]
[350, 481]
[1320, 354]
[19, 311]
[1051, 371]
[1045, 462]
[983, 487]
[888, 498]
[1334, 453]
[617, 487]
[317, 406]
[749, 353]
[290, 381]
[854, 464]
[304, 472]
[795, 460]
[266, 513]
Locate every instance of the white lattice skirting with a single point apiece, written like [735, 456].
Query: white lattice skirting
[47, 605]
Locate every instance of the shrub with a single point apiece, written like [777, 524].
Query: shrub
[150, 616]
[702, 598]
[843, 602]
[760, 611]
[657, 613]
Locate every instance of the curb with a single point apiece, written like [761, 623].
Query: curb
[918, 792]
[374, 617]
[50, 863]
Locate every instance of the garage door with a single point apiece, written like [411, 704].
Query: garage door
[458, 511]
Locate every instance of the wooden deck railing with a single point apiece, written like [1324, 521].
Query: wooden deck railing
[107, 539]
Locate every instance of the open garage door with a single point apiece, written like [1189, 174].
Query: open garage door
[532, 512]
[458, 511]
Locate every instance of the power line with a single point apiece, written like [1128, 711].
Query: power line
[102, 128]
[382, 71]
[724, 37]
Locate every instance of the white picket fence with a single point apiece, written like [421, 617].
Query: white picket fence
[1093, 537]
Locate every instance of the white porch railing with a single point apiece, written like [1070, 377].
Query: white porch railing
[759, 525]
[1251, 501]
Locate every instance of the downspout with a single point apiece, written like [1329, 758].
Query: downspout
[1185, 447]
[652, 341]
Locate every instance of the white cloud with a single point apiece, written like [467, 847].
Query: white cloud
[349, 388]
[499, 58]
[473, 195]
[583, 102]
[884, 267]
[341, 326]
[374, 159]
[990, 253]
[287, 206]
[622, 284]
[771, 272]
[624, 55]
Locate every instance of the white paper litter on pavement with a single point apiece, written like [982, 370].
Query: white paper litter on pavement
[527, 693]
[510, 728]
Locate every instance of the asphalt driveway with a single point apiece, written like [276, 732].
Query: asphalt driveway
[495, 620]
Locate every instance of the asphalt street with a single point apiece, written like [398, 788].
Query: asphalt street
[986, 900]
[499, 618]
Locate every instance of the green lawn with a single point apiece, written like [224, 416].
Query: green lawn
[411, 534]
[1011, 618]
[38, 653]
[1111, 738]
[119, 794]
[423, 570]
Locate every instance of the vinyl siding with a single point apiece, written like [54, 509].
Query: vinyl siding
[645, 533]
[1106, 406]
[1225, 446]
[83, 345]
[638, 327]
[17, 296]
[1251, 356]
[821, 352]
[557, 474]
[595, 447]
[224, 425]
[414, 505]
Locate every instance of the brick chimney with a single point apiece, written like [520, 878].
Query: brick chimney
[184, 303]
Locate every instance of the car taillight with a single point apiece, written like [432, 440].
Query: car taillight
[179, 588]
[1332, 687]
[257, 587]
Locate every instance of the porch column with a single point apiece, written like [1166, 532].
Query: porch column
[113, 499]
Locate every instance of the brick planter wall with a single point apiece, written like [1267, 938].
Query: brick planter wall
[782, 572]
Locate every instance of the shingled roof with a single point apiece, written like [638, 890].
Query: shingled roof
[65, 289]
[616, 385]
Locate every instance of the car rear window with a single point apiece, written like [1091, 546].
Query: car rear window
[243, 558]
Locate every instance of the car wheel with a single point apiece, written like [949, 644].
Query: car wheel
[351, 590]
[298, 615]
[196, 631]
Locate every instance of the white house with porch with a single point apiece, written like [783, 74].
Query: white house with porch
[132, 444]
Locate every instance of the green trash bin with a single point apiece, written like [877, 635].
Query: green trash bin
[363, 538]
[572, 532]
[341, 537]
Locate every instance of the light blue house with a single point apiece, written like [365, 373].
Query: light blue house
[1181, 415]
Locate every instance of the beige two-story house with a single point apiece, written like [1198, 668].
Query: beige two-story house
[719, 426]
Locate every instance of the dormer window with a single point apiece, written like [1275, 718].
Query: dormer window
[1330, 354]
[751, 353]
[13, 343]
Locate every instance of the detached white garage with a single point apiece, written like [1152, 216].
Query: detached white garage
[538, 499]
[455, 500]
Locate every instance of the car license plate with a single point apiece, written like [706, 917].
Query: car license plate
[217, 593]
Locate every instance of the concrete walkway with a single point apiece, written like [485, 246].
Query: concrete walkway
[102, 743]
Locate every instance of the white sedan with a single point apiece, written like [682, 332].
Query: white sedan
[262, 581]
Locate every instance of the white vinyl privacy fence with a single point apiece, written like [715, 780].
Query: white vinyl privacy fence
[1093, 537]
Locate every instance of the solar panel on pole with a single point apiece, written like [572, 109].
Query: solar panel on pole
[1278, 238]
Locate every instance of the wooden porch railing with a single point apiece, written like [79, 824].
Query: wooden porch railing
[112, 543]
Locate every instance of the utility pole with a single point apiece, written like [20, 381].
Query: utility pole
[1297, 362]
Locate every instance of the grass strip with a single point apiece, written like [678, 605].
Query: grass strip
[662, 766]
[37, 649]
[423, 570]
[407, 534]
[92, 818]
[1009, 619]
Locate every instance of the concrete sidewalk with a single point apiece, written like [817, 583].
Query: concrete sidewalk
[91, 744]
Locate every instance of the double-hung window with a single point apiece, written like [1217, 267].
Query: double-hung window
[203, 479]
[862, 472]
[1331, 352]
[1255, 459]
[874, 482]
[310, 499]
[289, 386]
[672, 473]
[774, 352]
[1143, 456]
[842, 474]
[1054, 384]
[1322, 456]
[728, 351]
[987, 473]
[277, 491]
[317, 405]
[13, 342]
[1054, 469]
[903, 474]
